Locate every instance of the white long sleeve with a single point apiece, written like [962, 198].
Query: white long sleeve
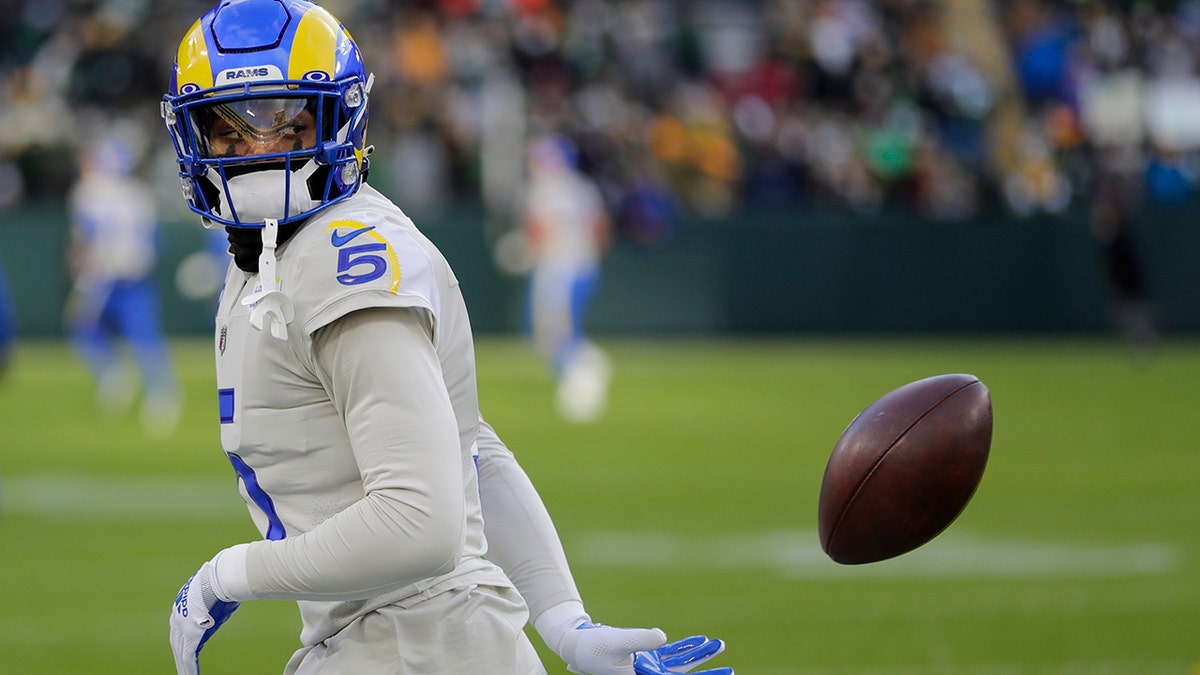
[521, 536]
[381, 371]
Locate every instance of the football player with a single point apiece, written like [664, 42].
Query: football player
[112, 251]
[568, 228]
[346, 389]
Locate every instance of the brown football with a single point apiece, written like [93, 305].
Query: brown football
[905, 468]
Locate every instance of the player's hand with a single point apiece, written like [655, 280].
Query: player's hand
[680, 657]
[596, 649]
[197, 614]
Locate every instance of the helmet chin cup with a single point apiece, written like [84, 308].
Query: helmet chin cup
[250, 199]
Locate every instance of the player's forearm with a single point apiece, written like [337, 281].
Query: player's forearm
[383, 543]
[521, 535]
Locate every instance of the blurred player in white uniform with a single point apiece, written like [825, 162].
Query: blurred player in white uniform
[568, 228]
[112, 251]
[346, 389]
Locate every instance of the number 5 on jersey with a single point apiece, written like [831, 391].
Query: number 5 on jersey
[360, 263]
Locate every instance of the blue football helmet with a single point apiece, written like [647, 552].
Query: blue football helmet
[267, 107]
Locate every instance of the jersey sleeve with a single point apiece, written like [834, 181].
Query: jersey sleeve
[521, 536]
[359, 264]
[382, 374]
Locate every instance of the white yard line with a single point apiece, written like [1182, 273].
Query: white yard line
[797, 554]
[103, 498]
[792, 554]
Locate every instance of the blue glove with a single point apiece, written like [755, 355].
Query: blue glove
[680, 657]
[197, 614]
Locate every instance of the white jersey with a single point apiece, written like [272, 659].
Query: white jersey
[342, 504]
[567, 207]
[115, 221]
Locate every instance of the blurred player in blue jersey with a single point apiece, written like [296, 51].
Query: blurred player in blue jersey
[8, 323]
[346, 390]
[567, 227]
[114, 301]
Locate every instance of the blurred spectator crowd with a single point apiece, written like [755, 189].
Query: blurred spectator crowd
[949, 108]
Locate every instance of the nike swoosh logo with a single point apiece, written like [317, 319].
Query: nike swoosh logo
[339, 240]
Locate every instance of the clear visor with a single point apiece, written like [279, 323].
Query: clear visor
[255, 126]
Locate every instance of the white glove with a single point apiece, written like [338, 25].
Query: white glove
[593, 649]
[198, 612]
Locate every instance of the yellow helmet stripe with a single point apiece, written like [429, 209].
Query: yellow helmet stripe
[192, 60]
[314, 46]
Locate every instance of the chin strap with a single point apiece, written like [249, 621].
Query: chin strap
[268, 304]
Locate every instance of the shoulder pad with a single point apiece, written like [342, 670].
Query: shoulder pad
[344, 265]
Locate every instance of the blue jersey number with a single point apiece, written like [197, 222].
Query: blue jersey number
[259, 496]
[351, 257]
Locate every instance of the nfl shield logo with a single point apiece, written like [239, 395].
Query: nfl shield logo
[221, 339]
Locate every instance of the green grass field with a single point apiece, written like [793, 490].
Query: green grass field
[691, 506]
